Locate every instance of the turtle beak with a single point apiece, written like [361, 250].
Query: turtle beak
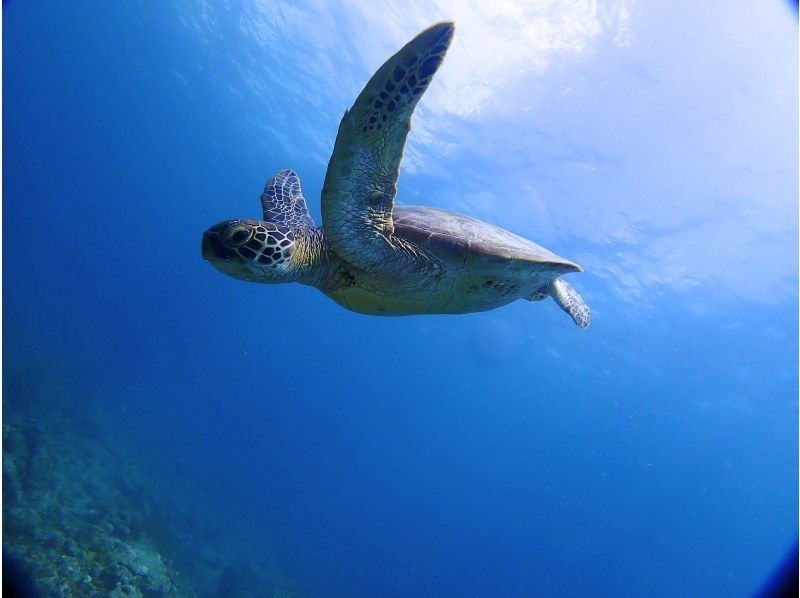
[207, 247]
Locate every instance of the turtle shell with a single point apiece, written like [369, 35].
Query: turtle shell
[468, 243]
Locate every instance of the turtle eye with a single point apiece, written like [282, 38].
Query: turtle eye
[238, 235]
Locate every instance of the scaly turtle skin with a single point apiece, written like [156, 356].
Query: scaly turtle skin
[370, 255]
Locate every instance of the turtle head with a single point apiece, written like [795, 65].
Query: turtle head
[250, 250]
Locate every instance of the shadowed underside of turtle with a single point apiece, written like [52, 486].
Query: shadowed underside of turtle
[370, 255]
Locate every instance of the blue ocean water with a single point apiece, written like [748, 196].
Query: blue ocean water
[506, 453]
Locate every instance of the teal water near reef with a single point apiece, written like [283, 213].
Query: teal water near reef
[171, 431]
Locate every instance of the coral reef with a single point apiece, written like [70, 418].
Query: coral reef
[82, 519]
[73, 514]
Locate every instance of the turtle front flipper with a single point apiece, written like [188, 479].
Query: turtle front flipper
[283, 202]
[570, 301]
[361, 181]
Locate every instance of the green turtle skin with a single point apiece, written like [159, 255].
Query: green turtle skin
[370, 255]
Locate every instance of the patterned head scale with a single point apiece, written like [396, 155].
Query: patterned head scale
[250, 249]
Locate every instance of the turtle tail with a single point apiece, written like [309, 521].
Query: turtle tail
[570, 301]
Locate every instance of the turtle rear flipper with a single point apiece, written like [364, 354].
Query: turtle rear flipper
[570, 301]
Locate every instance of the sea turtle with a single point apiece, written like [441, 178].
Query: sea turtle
[370, 255]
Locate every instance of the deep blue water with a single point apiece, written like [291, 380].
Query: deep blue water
[506, 453]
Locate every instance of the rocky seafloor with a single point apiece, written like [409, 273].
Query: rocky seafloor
[81, 520]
